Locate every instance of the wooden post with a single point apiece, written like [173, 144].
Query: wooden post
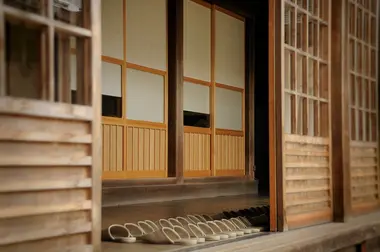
[339, 113]
[175, 89]
[249, 96]
[275, 115]
[96, 98]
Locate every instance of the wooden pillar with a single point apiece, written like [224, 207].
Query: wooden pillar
[175, 89]
[275, 116]
[339, 113]
[249, 97]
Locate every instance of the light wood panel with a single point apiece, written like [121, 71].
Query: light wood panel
[229, 154]
[197, 154]
[45, 177]
[146, 151]
[113, 137]
[307, 179]
[134, 149]
[364, 174]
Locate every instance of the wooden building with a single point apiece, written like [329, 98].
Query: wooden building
[118, 102]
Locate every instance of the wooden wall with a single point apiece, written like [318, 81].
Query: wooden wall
[306, 129]
[50, 143]
[363, 86]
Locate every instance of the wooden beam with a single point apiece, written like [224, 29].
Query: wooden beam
[249, 96]
[340, 135]
[175, 89]
[275, 115]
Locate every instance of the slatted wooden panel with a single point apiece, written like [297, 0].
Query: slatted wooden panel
[45, 176]
[229, 155]
[197, 156]
[113, 138]
[307, 178]
[364, 174]
[146, 152]
[363, 86]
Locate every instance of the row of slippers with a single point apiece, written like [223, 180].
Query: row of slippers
[192, 230]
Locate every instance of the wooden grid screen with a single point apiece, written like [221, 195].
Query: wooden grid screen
[223, 141]
[362, 19]
[49, 148]
[306, 144]
[135, 138]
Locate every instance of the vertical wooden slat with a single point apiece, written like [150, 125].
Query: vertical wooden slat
[95, 66]
[175, 89]
[2, 52]
[50, 56]
[213, 154]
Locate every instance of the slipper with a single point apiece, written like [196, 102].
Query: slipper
[117, 233]
[234, 228]
[165, 223]
[208, 230]
[222, 228]
[184, 234]
[193, 219]
[152, 224]
[176, 222]
[200, 237]
[136, 231]
[183, 221]
[146, 227]
[207, 217]
[200, 217]
[167, 236]
[241, 226]
[248, 223]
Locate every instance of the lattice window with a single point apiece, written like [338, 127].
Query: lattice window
[362, 51]
[36, 62]
[306, 67]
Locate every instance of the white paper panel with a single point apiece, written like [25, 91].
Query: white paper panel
[111, 79]
[196, 98]
[228, 109]
[229, 50]
[197, 41]
[73, 72]
[145, 96]
[146, 33]
[112, 28]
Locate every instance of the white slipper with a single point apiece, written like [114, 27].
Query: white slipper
[185, 225]
[193, 219]
[146, 227]
[241, 226]
[200, 217]
[167, 236]
[221, 231]
[118, 233]
[135, 230]
[234, 228]
[207, 217]
[184, 221]
[209, 233]
[152, 224]
[165, 223]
